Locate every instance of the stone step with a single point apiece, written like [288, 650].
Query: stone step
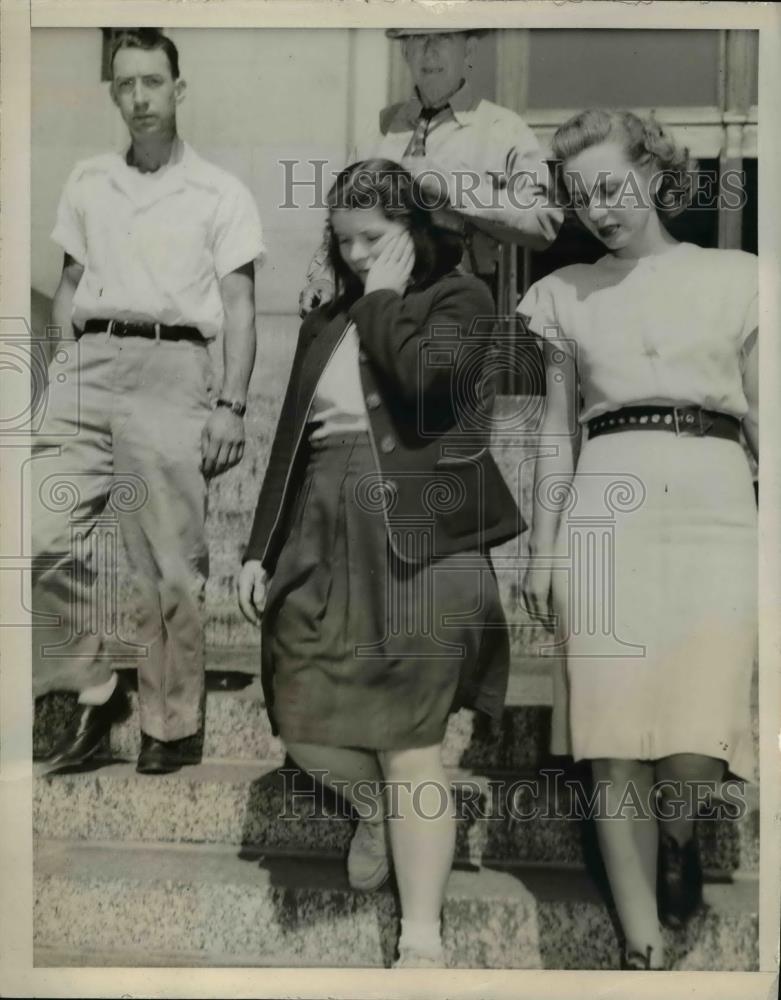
[237, 726]
[137, 905]
[506, 818]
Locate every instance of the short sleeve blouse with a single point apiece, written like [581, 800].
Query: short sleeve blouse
[670, 328]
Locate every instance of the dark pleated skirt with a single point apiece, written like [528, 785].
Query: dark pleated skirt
[360, 648]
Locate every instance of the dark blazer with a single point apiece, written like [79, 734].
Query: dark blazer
[422, 363]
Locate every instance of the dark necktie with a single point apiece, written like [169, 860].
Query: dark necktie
[417, 144]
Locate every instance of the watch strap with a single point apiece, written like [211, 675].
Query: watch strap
[233, 405]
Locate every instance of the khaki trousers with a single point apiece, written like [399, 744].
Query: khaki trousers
[119, 453]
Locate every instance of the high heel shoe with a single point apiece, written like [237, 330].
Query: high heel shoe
[679, 882]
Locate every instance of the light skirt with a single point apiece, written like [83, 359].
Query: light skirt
[656, 589]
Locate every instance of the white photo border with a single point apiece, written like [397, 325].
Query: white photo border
[18, 977]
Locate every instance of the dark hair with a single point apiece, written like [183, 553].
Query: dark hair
[645, 142]
[383, 184]
[147, 39]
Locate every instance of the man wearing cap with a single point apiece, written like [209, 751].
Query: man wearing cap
[159, 260]
[484, 156]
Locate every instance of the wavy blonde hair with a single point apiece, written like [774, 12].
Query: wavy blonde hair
[645, 141]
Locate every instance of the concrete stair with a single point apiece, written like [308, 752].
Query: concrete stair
[504, 817]
[185, 905]
[221, 864]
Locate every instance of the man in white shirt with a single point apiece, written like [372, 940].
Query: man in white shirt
[481, 156]
[160, 248]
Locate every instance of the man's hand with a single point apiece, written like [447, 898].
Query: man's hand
[222, 442]
[316, 293]
[393, 265]
[253, 589]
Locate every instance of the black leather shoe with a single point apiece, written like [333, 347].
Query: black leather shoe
[159, 757]
[679, 885]
[87, 732]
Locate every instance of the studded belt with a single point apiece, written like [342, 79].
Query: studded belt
[691, 421]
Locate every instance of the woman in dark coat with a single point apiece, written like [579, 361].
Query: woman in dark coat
[368, 559]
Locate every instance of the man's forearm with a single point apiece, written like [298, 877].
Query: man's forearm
[534, 237]
[523, 215]
[239, 348]
[62, 309]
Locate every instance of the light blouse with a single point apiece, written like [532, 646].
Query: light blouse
[667, 329]
[338, 406]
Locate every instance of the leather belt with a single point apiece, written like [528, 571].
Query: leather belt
[692, 421]
[152, 331]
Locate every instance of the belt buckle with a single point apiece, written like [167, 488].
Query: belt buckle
[682, 415]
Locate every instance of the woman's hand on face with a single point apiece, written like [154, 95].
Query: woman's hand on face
[536, 594]
[393, 264]
[253, 588]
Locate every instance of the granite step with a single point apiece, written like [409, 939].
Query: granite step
[137, 905]
[504, 817]
[237, 726]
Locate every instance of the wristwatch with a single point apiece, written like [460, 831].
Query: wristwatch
[233, 405]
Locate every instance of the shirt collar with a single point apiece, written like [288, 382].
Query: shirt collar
[461, 103]
[172, 178]
[181, 154]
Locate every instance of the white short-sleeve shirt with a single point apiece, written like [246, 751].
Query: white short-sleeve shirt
[670, 328]
[476, 136]
[154, 246]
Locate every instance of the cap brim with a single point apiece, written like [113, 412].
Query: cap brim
[407, 32]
